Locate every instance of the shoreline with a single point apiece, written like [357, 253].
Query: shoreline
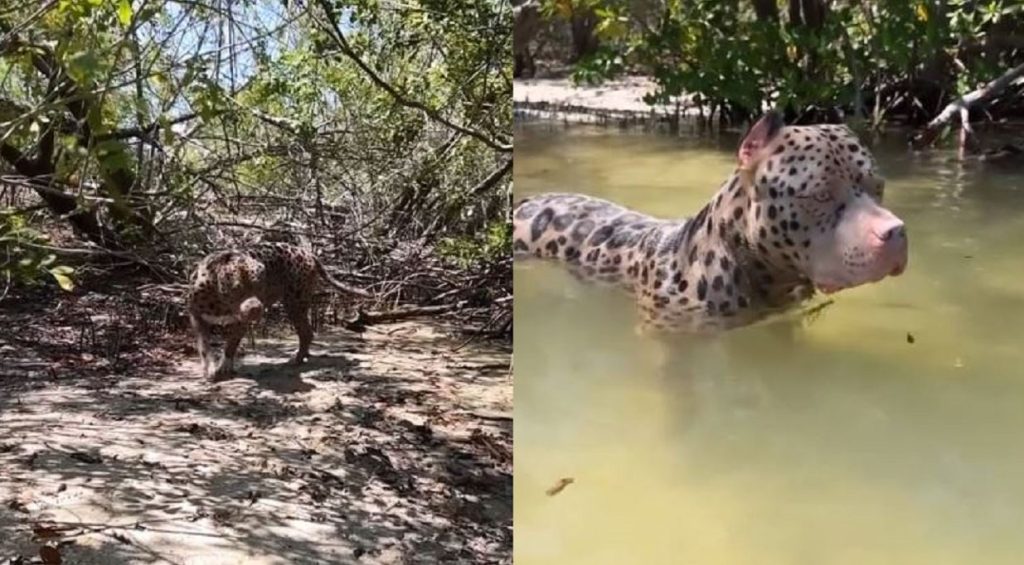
[617, 101]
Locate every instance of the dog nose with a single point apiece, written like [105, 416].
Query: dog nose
[895, 232]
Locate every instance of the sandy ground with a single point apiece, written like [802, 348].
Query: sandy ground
[617, 100]
[390, 446]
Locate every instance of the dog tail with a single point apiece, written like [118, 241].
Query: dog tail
[338, 284]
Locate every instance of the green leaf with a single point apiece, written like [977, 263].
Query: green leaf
[124, 12]
[83, 65]
[61, 273]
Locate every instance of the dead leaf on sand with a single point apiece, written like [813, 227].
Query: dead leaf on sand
[560, 485]
[50, 555]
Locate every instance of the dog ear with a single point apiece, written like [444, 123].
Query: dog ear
[758, 137]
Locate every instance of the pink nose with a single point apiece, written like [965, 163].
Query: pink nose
[895, 232]
[890, 233]
[892, 246]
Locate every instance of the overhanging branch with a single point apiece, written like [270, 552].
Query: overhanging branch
[339, 38]
[492, 179]
[960, 106]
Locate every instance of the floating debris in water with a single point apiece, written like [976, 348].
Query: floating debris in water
[810, 315]
[910, 338]
[560, 486]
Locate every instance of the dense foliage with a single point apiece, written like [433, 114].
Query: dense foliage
[874, 58]
[159, 126]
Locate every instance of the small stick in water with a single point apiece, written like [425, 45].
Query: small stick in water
[560, 485]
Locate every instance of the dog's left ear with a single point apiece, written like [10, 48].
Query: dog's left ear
[758, 137]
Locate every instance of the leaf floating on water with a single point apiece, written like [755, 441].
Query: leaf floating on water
[560, 486]
[810, 315]
[910, 337]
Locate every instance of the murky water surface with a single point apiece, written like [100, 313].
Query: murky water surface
[834, 442]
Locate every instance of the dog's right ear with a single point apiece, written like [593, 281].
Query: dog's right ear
[758, 137]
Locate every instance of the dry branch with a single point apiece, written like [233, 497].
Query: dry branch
[343, 45]
[364, 318]
[961, 106]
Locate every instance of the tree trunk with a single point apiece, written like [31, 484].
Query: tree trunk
[584, 38]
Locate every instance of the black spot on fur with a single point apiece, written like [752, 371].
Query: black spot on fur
[601, 235]
[620, 239]
[540, 223]
[673, 242]
[696, 222]
[526, 209]
[562, 221]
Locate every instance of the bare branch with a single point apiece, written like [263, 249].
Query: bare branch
[492, 179]
[339, 38]
[959, 107]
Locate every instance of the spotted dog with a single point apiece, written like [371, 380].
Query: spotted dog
[802, 211]
[232, 288]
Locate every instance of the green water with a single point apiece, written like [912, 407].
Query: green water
[834, 442]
